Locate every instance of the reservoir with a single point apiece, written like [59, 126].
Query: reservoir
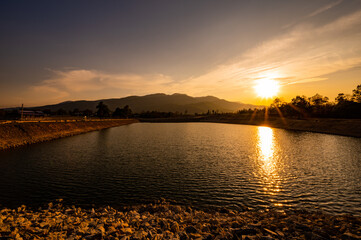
[203, 164]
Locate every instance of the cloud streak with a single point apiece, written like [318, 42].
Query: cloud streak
[92, 84]
[325, 8]
[304, 54]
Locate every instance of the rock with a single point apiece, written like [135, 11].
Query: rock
[165, 223]
[248, 231]
[127, 230]
[175, 227]
[254, 225]
[266, 238]
[350, 236]
[224, 210]
[183, 236]
[249, 237]
[303, 227]
[101, 229]
[176, 209]
[236, 225]
[191, 229]
[270, 232]
[94, 236]
[209, 237]
[138, 235]
[313, 236]
[195, 235]
[50, 205]
[111, 230]
[281, 234]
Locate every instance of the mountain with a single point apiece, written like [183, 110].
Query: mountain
[156, 102]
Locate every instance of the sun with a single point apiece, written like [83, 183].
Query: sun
[267, 88]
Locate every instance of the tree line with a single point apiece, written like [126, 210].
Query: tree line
[103, 111]
[344, 106]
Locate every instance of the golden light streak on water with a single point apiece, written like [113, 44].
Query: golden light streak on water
[265, 143]
[268, 162]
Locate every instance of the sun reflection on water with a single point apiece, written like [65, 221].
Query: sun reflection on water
[265, 143]
[268, 161]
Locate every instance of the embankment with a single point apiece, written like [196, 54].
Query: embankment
[24, 133]
[344, 127]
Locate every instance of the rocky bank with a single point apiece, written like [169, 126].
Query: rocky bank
[163, 220]
[24, 133]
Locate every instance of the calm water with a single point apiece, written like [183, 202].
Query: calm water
[206, 164]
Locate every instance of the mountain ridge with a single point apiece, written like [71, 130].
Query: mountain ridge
[176, 102]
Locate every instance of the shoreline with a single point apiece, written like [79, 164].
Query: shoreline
[164, 220]
[15, 134]
[341, 127]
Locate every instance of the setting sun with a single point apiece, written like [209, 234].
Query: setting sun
[267, 88]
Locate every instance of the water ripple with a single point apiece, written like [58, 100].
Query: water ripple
[205, 164]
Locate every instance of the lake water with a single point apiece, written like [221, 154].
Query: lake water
[204, 164]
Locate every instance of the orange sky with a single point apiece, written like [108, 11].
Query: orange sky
[200, 49]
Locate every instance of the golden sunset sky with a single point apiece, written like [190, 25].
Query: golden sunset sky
[54, 51]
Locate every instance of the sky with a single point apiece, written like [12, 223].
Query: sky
[55, 51]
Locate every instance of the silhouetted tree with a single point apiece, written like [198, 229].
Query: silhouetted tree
[122, 112]
[342, 98]
[318, 100]
[301, 102]
[155, 114]
[127, 111]
[61, 112]
[356, 94]
[2, 113]
[103, 110]
[301, 106]
[278, 102]
[75, 112]
[118, 112]
[47, 111]
[87, 112]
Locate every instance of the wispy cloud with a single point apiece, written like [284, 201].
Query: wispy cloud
[313, 14]
[305, 54]
[75, 83]
[325, 8]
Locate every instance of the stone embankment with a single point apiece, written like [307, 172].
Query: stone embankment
[15, 134]
[167, 221]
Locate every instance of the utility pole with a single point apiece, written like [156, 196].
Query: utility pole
[22, 112]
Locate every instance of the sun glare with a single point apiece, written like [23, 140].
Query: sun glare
[267, 88]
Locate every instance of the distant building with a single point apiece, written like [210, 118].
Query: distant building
[31, 114]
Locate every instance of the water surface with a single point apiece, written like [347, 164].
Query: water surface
[205, 164]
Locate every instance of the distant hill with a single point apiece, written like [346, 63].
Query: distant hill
[156, 102]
